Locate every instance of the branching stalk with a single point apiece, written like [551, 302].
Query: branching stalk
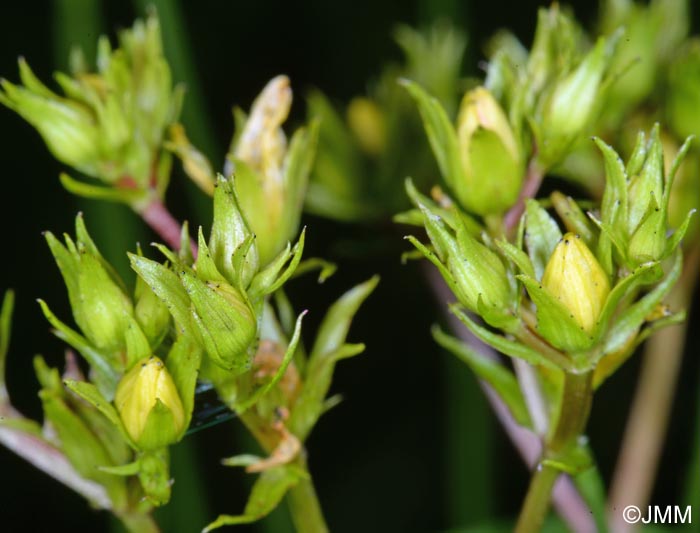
[571, 421]
[566, 498]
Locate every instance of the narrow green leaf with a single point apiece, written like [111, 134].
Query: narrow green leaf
[137, 346]
[267, 493]
[88, 392]
[129, 469]
[272, 277]
[105, 376]
[334, 328]
[502, 344]
[492, 372]
[97, 192]
[205, 266]
[441, 134]
[288, 356]
[678, 235]
[632, 319]
[8, 303]
[542, 234]
[639, 154]
[517, 257]
[183, 362]
[644, 274]
[165, 283]
[326, 268]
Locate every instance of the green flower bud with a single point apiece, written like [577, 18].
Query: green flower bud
[110, 124]
[491, 156]
[228, 232]
[225, 321]
[149, 405]
[100, 306]
[271, 178]
[648, 243]
[67, 127]
[576, 279]
[475, 274]
[571, 106]
[150, 313]
[647, 187]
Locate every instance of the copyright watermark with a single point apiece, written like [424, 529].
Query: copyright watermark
[658, 514]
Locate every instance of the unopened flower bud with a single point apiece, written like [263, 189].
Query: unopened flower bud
[270, 176]
[229, 231]
[150, 313]
[570, 107]
[575, 278]
[68, 128]
[491, 158]
[648, 243]
[100, 307]
[149, 405]
[225, 321]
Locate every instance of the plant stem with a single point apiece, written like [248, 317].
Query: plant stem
[157, 216]
[135, 522]
[304, 506]
[536, 504]
[302, 499]
[49, 460]
[567, 500]
[531, 184]
[573, 414]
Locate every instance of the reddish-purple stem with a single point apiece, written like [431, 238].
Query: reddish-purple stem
[157, 216]
[49, 459]
[533, 180]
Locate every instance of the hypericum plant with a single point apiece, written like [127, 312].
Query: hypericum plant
[567, 287]
[569, 299]
[214, 313]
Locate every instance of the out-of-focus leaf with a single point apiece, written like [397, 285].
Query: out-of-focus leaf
[8, 303]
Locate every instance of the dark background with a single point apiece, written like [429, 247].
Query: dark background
[413, 446]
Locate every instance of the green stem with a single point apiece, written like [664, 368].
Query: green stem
[138, 522]
[536, 502]
[304, 506]
[573, 414]
[301, 499]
